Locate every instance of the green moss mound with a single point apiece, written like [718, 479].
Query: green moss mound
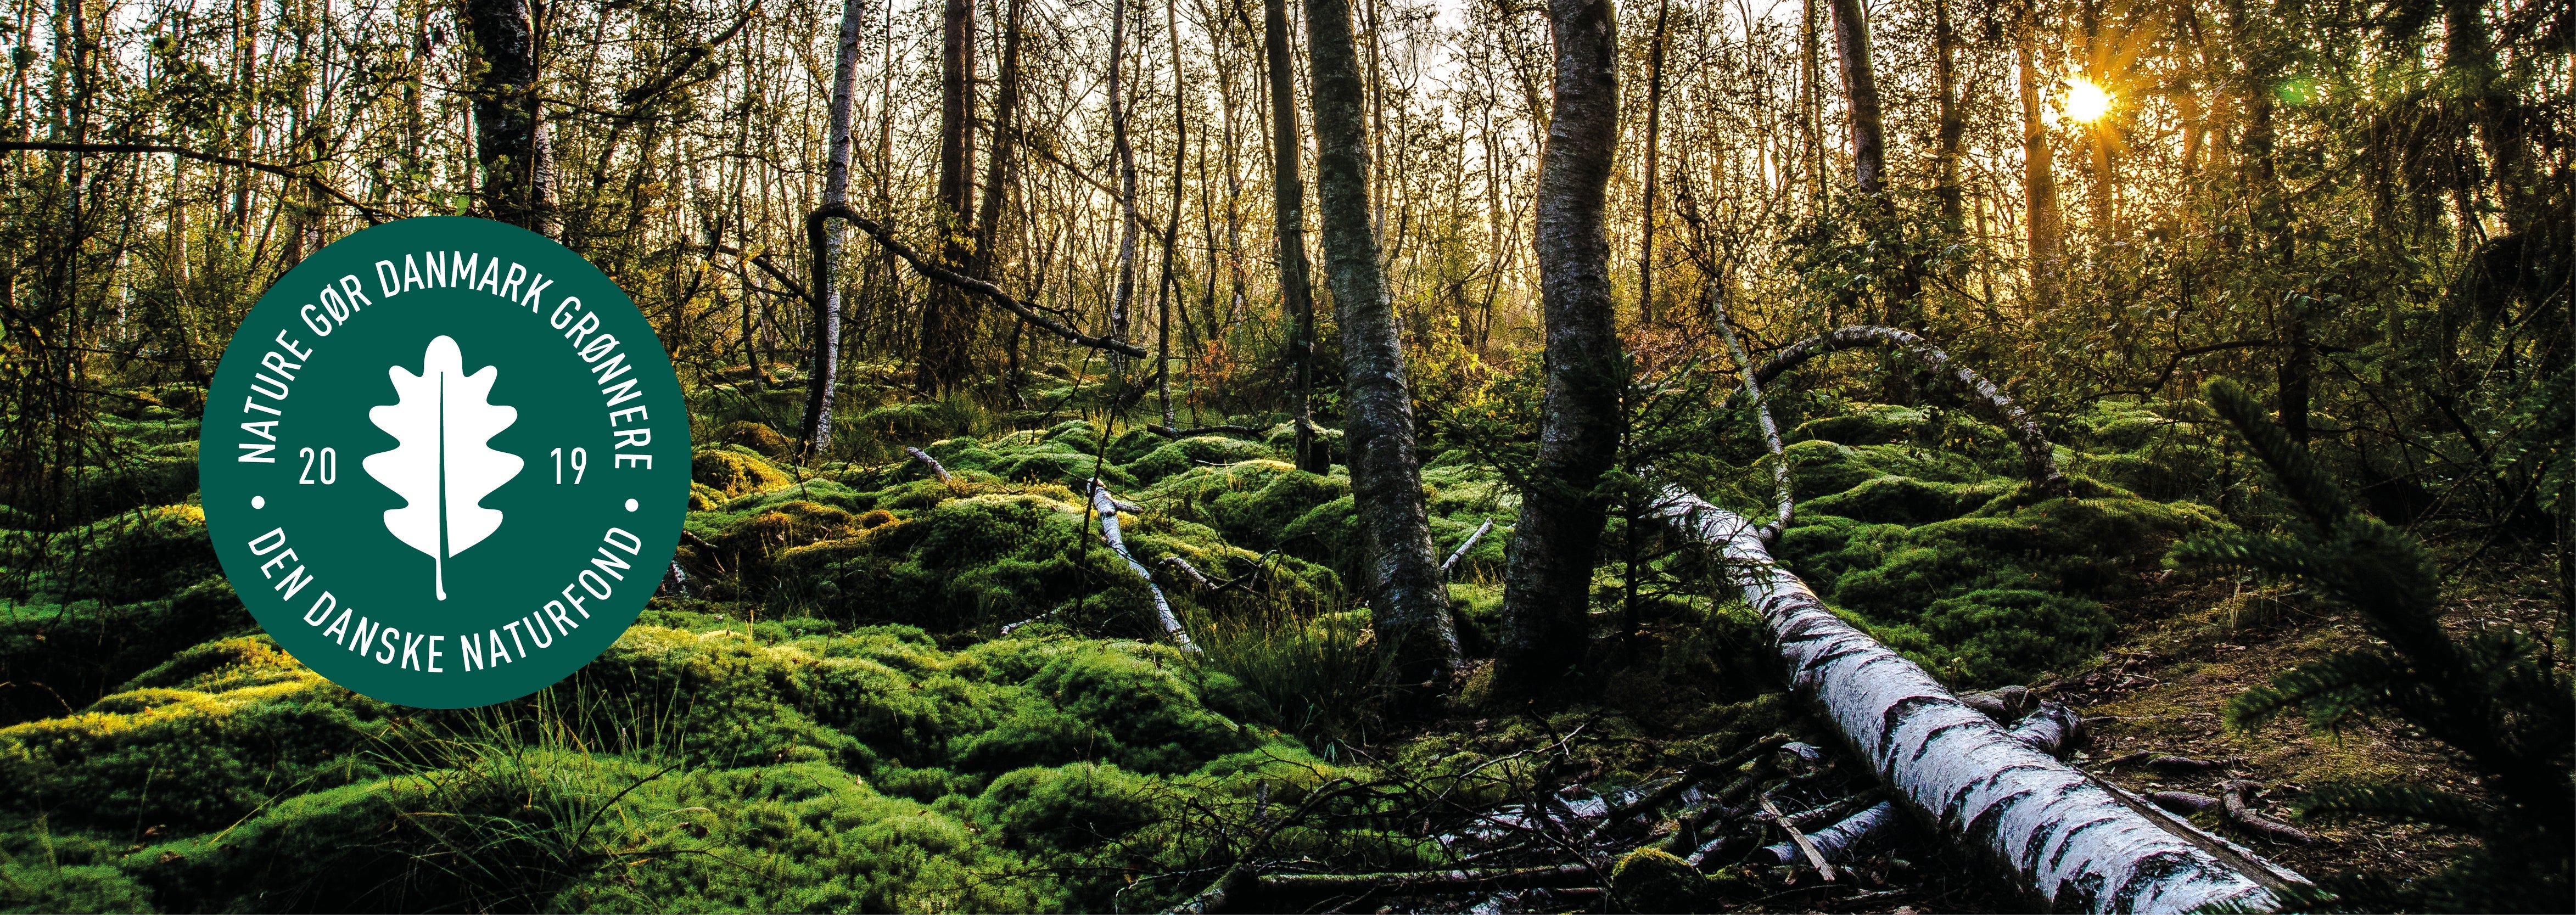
[1976, 575]
[733, 470]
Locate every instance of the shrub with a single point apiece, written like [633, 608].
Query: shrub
[2493, 696]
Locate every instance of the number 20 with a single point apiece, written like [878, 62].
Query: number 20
[327, 461]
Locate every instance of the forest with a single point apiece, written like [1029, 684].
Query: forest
[1363, 455]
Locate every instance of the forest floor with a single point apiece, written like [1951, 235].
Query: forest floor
[2188, 647]
[885, 691]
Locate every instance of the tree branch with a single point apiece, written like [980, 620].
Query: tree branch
[935, 272]
[371, 214]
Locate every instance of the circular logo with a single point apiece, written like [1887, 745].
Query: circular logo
[444, 462]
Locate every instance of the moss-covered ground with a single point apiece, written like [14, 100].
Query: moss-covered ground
[884, 692]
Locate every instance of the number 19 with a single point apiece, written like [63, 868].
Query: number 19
[580, 462]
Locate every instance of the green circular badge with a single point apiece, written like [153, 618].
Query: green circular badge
[445, 461]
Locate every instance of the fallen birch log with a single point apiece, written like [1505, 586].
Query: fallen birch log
[1781, 491]
[2065, 841]
[1464, 547]
[2039, 458]
[1169, 432]
[1108, 510]
[1175, 561]
[1836, 843]
[2051, 728]
[1450, 881]
[924, 457]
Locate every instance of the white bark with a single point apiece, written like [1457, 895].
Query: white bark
[933, 463]
[1108, 509]
[1780, 488]
[1461, 553]
[1190, 570]
[2039, 458]
[2066, 841]
[2050, 729]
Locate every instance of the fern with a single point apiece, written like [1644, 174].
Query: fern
[2489, 696]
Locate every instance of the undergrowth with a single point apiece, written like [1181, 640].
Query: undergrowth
[889, 692]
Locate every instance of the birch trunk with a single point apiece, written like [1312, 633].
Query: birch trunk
[1860, 94]
[1107, 508]
[2039, 458]
[1123, 295]
[509, 126]
[825, 240]
[2066, 842]
[1409, 596]
[1547, 587]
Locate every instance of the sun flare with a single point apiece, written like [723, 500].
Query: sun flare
[2086, 102]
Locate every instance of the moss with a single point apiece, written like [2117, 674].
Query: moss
[1252, 503]
[1904, 500]
[1067, 808]
[1180, 456]
[37, 886]
[1996, 636]
[787, 837]
[749, 548]
[1652, 880]
[137, 554]
[736, 471]
[1867, 424]
[55, 658]
[194, 744]
[758, 437]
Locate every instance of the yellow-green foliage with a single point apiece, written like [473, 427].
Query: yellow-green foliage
[778, 765]
[757, 437]
[41, 886]
[1650, 879]
[195, 743]
[557, 830]
[736, 471]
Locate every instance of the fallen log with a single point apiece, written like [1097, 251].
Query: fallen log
[933, 463]
[1169, 432]
[2182, 802]
[1452, 562]
[2064, 840]
[2231, 796]
[1450, 881]
[1108, 510]
[1807, 846]
[2039, 458]
[2186, 764]
[1837, 842]
[1175, 561]
[2051, 728]
[2278, 879]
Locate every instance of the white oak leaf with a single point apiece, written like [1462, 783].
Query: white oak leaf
[443, 465]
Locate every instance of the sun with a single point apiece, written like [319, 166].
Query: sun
[2086, 102]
